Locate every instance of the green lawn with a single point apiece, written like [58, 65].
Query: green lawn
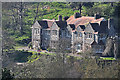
[35, 56]
[107, 58]
[76, 57]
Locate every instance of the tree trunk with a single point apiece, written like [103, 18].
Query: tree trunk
[36, 13]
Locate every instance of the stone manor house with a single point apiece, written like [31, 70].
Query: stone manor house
[78, 33]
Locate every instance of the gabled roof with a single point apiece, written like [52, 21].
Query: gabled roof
[45, 24]
[94, 43]
[72, 26]
[83, 20]
[82, 26]
[95, 26]
[36, 24]
[61, 24]
[103, 27]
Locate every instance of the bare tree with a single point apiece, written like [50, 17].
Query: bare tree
[36, 12]
[63, 47]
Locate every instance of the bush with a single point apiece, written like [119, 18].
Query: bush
[6, 75]
[51, 50]
[30, 45]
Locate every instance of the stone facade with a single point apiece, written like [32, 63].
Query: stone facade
[76, 33]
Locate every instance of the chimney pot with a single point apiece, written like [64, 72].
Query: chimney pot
[77, 15]
[59, 18]
[97, 16]
[65, 18]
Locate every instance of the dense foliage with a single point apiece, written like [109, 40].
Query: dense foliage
[49, 66]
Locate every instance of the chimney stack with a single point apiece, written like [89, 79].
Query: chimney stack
[97, 16]
[109, 22]
[80, 8]
[77, 15]
[59, 18]
[65, 18]
[111, 29]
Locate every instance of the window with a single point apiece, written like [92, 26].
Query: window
[54, 32]
[101, 48]
[48, 32]
[79, 47]
[36, 31]
[68, 34]
[53, 44]
[80, 34]
[88, 35]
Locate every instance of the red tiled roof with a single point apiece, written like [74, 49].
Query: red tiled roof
[82, 20]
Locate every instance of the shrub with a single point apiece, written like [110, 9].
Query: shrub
[30, 45]
[50, 49]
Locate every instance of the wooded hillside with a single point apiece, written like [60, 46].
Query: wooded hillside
[17, 18]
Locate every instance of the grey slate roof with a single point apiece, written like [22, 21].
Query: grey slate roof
[94, 43]
[95, 27]
[82, 27]
[61, 24]
[72, 26]
[102, 28]
[45, 24]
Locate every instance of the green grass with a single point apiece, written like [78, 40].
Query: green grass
[47, 53]
[35, 56]
[76, 57]
[21, 38]
[17, 47]
[107, 58]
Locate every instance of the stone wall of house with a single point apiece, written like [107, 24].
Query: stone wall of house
[36, 37]
[45, 38]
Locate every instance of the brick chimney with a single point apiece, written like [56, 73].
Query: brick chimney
[59, 18]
